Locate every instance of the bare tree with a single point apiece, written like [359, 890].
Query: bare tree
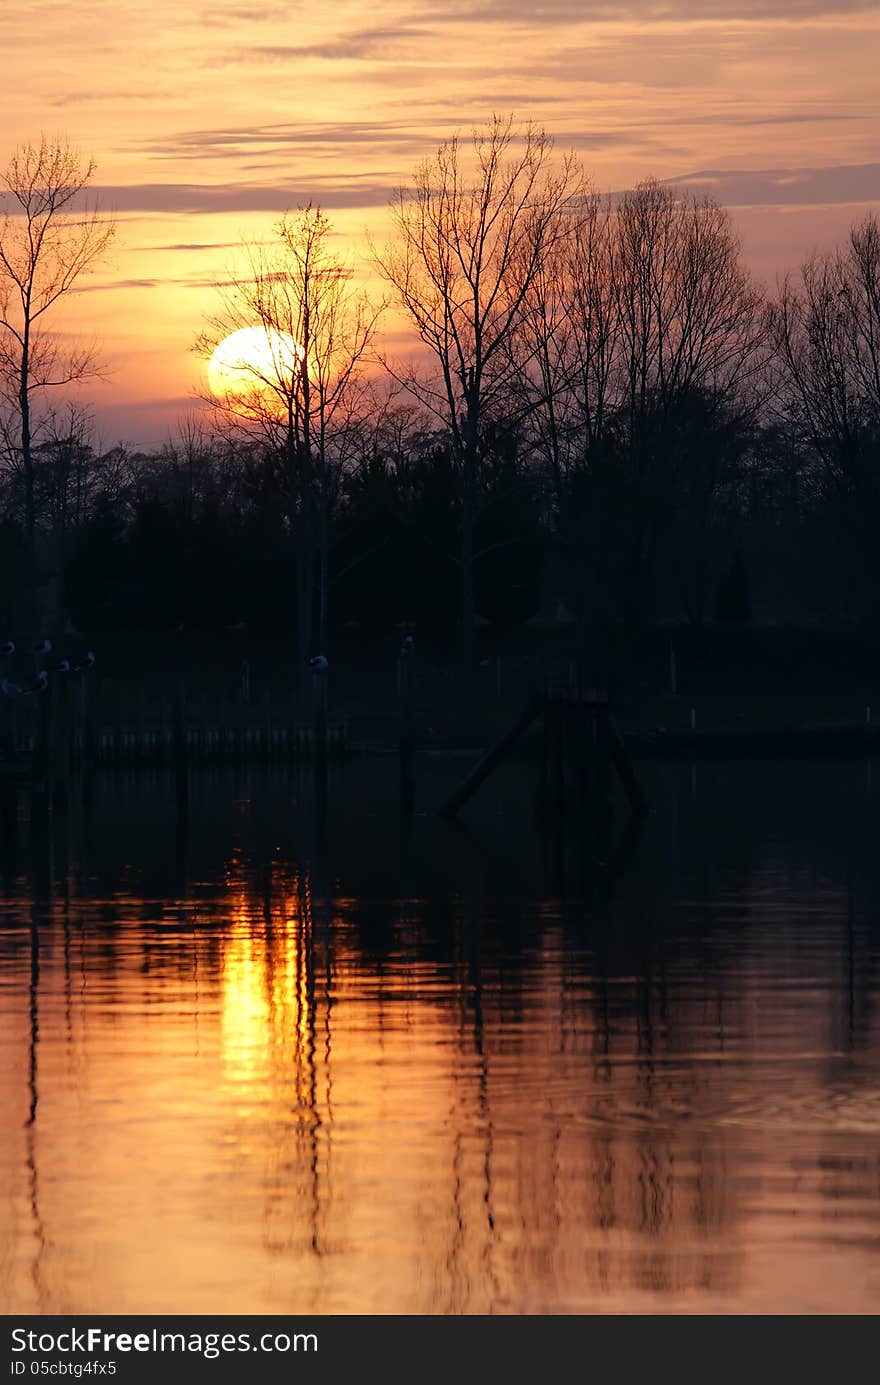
[64, 471]
[192, 471]
[826, 330]
[827, 335]
[472, 233]
[48, 240]
[690, 316]
[567, 345]
[302, 393]
[690, 366]
[641, 360]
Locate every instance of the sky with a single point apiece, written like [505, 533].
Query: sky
[207, 121]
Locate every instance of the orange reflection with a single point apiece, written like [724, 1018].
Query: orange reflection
[315, 1127]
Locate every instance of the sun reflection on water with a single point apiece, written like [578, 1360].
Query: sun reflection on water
[336, 1102]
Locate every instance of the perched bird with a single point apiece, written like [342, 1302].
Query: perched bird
[38, 686]
[9, 689]
[407, 646]
[64, 666]
[319, 663]
[43, 647]
[7, 650]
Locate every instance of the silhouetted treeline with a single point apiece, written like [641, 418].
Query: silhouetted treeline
[195, 535]
[648, 438]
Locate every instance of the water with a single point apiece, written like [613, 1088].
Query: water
[265, 1063]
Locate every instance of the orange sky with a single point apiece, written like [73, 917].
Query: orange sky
[209, 120]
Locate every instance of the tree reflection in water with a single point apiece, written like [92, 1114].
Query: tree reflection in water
[460, 1091]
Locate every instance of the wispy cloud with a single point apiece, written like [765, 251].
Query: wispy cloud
[351, 46]
[190, 245]
[114, 284]
[196, 198]
[819, 186]
[329, 137]
[232, 16]
[858, 184]
[649, 11]
[74, 100]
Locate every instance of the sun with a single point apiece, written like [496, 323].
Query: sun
[253, 359]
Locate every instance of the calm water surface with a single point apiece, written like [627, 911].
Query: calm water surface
[258, 1063]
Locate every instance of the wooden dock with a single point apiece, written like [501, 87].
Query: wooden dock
[581, 749]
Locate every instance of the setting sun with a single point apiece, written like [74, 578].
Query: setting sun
[253, 359]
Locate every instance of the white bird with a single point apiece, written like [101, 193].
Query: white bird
[44, 647]
[64, 666]
[319, 663]
[90, 659]
[8, 649]
[408, 645]
[9, 689]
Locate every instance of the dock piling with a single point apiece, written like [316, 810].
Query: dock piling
[406, 704]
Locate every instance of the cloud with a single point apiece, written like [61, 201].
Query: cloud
[359, 44]
[191, 245]
[118, 284]
[330, 138]
[854, 183]
[97, 97]
[647, 11]
[233, 16]
[820, 186]
[196, 198]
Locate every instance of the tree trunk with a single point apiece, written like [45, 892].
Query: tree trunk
[27, 466]
[305, 595]
[323, 575]
[467, 599]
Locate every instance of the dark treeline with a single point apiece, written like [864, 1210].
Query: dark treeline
[197, 534]
[605, 416]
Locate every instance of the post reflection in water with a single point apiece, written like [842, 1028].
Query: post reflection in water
[328, 1068]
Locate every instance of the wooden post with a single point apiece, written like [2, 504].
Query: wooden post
[584, 737]
[267, 724]
[546, 777]
[48, 703]
[87, 701]
[8, 806]
[556, 712]
[141, 733]
[406, 702]
[181, 774]
[64, 727]
[602, 754]
[493, 757]
[7, 729]
[43, 757]
[8, 768]
[77, 719]
[623, 765]
[319, 668]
